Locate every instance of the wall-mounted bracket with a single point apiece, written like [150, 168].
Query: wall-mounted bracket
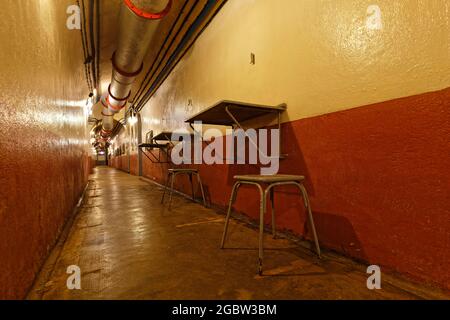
[147, 150]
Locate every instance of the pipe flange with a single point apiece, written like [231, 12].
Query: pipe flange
[148, 15]
[124, 73]
[106, 133]
[117, 99]
[113, 108]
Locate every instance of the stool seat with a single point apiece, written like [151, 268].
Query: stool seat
[183, 170]
[269, 179]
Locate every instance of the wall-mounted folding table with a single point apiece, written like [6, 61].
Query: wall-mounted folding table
[163, 142]
[233, 114]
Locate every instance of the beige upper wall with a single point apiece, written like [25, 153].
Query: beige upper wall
[318, 56]
[42, 81]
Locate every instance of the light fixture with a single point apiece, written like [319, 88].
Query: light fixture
[89, 104]
[132, 120]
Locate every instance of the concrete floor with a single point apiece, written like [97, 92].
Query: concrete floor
[129, 246]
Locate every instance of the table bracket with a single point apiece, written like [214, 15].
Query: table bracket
[147, 150]
[236, 122]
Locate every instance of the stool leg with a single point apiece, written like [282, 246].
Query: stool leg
[310, 216]
[165, 187]
[272, 201]
[227, 220]
[192, 187]
[201, 188]
[262, 212]
[171, 189]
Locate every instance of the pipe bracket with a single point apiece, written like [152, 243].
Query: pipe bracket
[115, 109]
[124, 73]
[118, 99]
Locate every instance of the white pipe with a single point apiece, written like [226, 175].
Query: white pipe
[138, 22]
[108, 116]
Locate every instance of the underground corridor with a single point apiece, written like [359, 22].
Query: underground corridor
[229, 150]
[129, 246]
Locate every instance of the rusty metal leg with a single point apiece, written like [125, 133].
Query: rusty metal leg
[165, 187]
[192, 187]
[227, 220]
[272, 201]
[262, 213]
[201, 188]
[310, 216]
[171, 189]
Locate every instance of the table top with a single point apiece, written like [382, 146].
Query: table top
[217, 114]
[167, 136]
[153, 145]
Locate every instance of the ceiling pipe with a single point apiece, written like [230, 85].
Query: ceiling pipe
[108, 118]
[188, 39]
[138, 22]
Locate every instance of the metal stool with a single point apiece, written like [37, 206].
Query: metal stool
[172, 173]
[272, 182]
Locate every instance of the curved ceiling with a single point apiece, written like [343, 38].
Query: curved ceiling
[171, 32]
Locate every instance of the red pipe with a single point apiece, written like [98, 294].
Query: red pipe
[148, 15]
[105, 133]
[113, 108]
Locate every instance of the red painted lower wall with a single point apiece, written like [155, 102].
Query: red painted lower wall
[118, 163]
[126, 163]
[41, 181]
[378, 178]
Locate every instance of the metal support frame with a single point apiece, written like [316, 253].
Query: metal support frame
[236, 122]
[162, 148]
[263, 209]
[139, 137]
[149, 138]
[171, 175]
[169, 141]
[196, 132]
[154, 158]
